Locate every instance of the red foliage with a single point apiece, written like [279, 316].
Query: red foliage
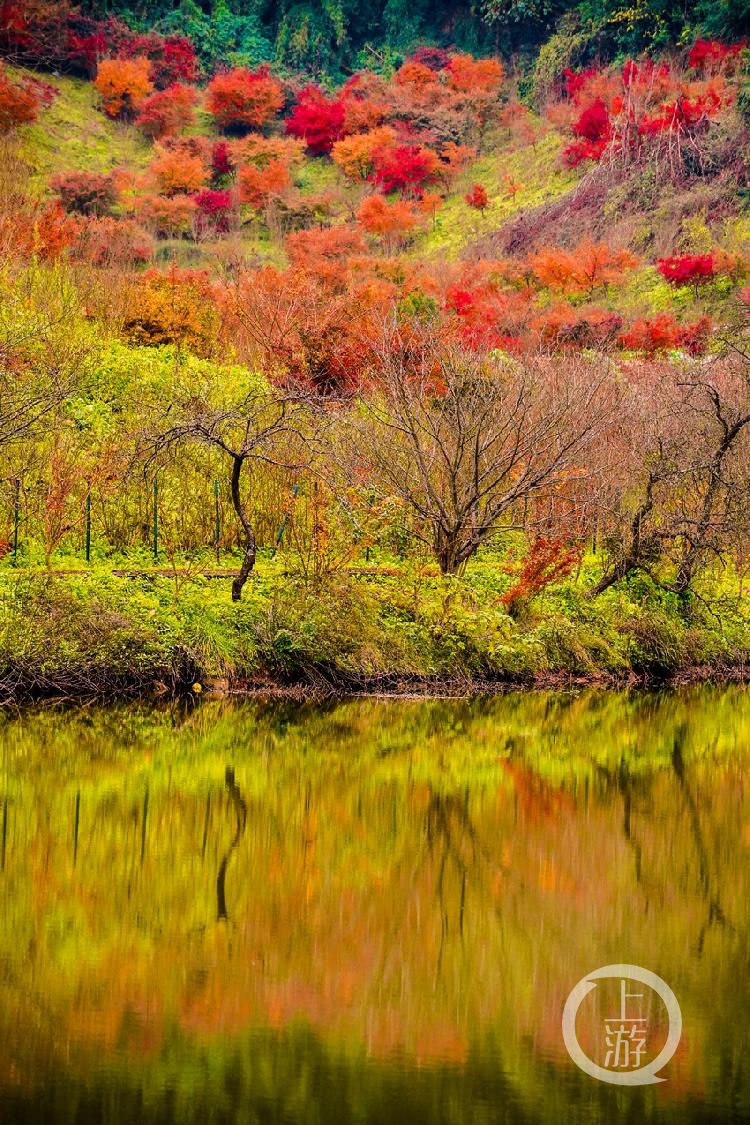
[244, 99]
[574, 81]
[595, 128]
[167, 111]
[222, 165]
[593, 124]
[548, 561]
[687, 269]
[18, 103]
[86, 193]
[172, 59]
[86, 51]
[707, 53]
[694, 337]
[55, 34]
[405, 168]
[663, 333]
[215, 208]
[644, 107]
[488, 317]
[317, 120]
[477, 197]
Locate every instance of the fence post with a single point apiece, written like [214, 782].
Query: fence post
[88, 526]
[16, 518]
[156, 519]
[217, 524]
[284, 522]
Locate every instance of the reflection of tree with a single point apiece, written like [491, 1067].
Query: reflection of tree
[422, 875]
[447, 820]
[709, 886]
[240, 808]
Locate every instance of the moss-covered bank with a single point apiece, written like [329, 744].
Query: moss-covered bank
[98, 634]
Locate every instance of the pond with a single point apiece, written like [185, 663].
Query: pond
[370, 911]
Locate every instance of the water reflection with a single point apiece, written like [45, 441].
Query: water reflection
[370, 911]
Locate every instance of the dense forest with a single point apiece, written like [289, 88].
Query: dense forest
[356, 345]
[332, 40]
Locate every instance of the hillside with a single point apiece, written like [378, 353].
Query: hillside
[444, 367]
[532, 199]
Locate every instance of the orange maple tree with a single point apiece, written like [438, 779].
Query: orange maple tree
[244, 99]
[123, 85]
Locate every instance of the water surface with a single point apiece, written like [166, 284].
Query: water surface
[369, 912]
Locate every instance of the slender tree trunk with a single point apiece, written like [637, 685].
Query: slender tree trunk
[632, 558]
[248, 561]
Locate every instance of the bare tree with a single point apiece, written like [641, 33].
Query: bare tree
[687, 493]
[465, 438]
[258, 425]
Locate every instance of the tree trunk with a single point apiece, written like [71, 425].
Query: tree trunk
[447, 552]
[248, 561]
[633, 557]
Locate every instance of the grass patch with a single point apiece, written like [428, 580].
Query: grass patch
[73, 134]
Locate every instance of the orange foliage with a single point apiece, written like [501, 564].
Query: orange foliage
[258, 186]
[455, 158]
[43, 232]
[583, 269]
[471, 75]
[414, 75]
[429, 203]
[548, 561]
[314, 248]
[355, 155]
[123, 84]
[244, 98]
[177, 172]
[577, 327]
[259, 150]
[520, 121]
[176, 307]
[303, 330]
[113, 242]
[389, 221]
[362, 114]
[166, 215]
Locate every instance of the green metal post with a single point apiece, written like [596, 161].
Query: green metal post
[16, 519]
[217, 525]
[88, 527]
[156, 519]
[284, 522]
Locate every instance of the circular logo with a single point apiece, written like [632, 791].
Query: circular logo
[626, 1032]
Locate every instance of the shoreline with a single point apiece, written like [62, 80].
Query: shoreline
[320, 689]
[99, 638]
